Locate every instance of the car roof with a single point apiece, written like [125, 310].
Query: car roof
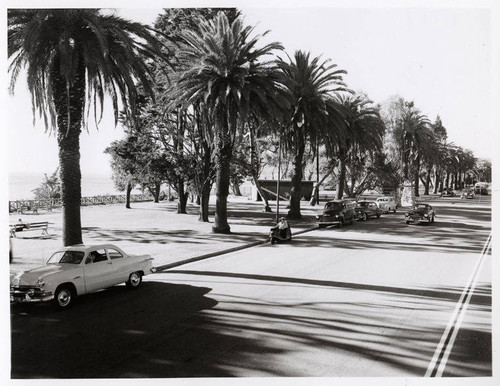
[86, 248]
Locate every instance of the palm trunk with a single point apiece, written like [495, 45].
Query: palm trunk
[342, 173]
[255, 169]
[296, 191]
[204, 201]
[68, 138]
[182, 197]
[206, 186]
[129, 190]
[222, 174]
[437, 179]
[416, 178]
[236, 188]
[428, 180]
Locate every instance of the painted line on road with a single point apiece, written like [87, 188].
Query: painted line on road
[224, 251]
[438, 363]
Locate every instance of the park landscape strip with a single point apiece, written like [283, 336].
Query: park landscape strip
[440, 358]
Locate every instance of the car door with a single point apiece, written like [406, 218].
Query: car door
[121, 265]
[97, 270]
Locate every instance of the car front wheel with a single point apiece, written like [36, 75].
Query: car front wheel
[134, 280]
[64, 297]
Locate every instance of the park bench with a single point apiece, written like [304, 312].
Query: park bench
[26, 227]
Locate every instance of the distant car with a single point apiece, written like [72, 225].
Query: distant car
[448, 192]
[366, 209]
[77, 270]
[420, 213]
[481, 188]
[337, 212]
[468, 193]
[387, 204]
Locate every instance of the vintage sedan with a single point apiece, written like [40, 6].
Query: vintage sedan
[366, 209]
[337, 212]
[387, 204]
[448, 192]
[77, 270]
[420, 213]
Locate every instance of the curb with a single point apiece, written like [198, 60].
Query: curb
[165, 267]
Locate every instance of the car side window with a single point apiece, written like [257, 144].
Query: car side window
[96, 256]
[114, 254]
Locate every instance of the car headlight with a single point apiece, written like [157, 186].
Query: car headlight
[15, 280]
[40, 282]
[336, 216]
[426, 215]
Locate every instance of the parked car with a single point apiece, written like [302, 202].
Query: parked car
[420, 213]
[387, 204]
[366, 209]
[481, 188]
[448, 192]
[337, 212]
[467, 193]
[77, 270]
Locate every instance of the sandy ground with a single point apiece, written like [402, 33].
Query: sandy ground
[149, 228]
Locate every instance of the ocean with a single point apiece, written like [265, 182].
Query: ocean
[22, 184]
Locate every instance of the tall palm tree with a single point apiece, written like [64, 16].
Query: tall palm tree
[415, 135]
[73, 57]
[223, 61]
[310, 83]
[365, 132]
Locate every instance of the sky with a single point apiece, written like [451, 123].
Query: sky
[440, 58]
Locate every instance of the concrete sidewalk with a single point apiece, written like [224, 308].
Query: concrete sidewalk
[154, 229]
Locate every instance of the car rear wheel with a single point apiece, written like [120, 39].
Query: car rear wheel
[134, 280]
[64, 297]
[363, 217]
[407, 222]
[378, 215]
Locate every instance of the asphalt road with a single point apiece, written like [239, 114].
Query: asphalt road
[379, 298]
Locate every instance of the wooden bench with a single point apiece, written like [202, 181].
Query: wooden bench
[26, 227]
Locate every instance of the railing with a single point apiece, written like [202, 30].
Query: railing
[21, 206]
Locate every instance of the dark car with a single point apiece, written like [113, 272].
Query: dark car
[448, 192]
[337, 212]
[366, 209]
[420, 213]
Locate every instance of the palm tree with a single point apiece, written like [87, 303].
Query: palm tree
[365, 132]
[310, 83]
[223, 63]
[74, 57]
[415, 136]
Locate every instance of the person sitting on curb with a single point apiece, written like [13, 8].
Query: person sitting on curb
[282, 226]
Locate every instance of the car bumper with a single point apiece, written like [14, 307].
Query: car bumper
[328, 220]
[29, 295]
[418, 219]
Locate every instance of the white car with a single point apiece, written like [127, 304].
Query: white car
[77, 270]
[387, 204]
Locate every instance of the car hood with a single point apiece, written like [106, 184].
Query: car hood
[30, 277]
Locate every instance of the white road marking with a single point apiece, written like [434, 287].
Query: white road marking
[446, 343]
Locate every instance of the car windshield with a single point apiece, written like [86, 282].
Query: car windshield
[420, 206]
[332, 206]
[382, 199]
[66, 257]
[362, 204]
